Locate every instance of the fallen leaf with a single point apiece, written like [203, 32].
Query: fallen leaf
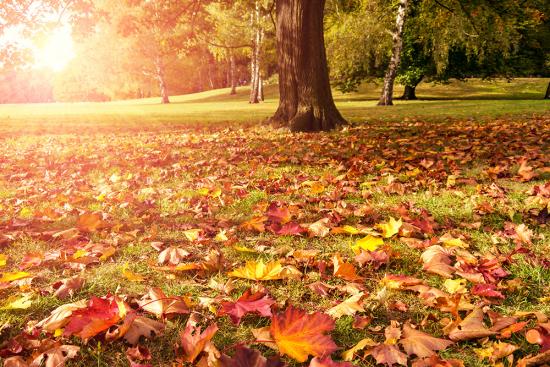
[193, 341]
[471, 327]
[55, 355]
[421, 344]
[328, 362]
[437, 260]
[246, 357]
[89, 222]
[260, 271]
[130, 275]
[17, 303]
[349, 354]
[258, 303]
[68, 287]
[344, 270]
[160, 305]
[10, 277]
[299, 335]
[369, 243]
[172, 255]
[348, 307]
[99, 315]
[390, 228]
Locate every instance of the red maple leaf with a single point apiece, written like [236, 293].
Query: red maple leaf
[258, 303]
[101, 314]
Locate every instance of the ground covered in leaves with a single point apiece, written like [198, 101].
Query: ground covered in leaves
[407, 243]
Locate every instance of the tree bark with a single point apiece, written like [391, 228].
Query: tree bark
[255, 65]
[305, 101]
[386, 98]
[232, 73]
[162, 81]
[547, 95]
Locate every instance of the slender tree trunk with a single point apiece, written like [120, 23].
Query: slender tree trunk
[386, 98]
[232, 73]
[409, 93]
[261, 88]
[162, 82]
[305, 102]
[547, 95]
[210, 81]
[255, 66]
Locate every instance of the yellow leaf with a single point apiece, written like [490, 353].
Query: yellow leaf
[317, 188]
[348, 307]
[261, 271]
[221, 236]
[80, 253]
[350, 229]
[369, 243]
[3, 259]
[216, 193]
[349, 354]
[9, 277]
[25, 212]
[131, 276]
[17, 303]
[455, 242]
[245, 249]
[203, 191]
[390, 228]
[455, 285]
[192, 234]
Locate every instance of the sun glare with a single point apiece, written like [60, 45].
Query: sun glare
[57, 50]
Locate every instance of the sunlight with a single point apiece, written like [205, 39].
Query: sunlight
[57, 50]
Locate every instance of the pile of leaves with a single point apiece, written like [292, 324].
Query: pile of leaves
[255, 247]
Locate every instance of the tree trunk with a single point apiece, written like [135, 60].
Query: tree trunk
[261, 89]
[232, 73]
[547, 95]
[162, 82]
[409, 93]
[255, 66]
[305, 102]
[386, 98]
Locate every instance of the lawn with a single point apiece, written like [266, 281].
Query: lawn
[423, 213]
[472, 99]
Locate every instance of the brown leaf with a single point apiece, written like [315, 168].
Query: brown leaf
[68, 287]
[471, 327]
[55, 355]
[246, 357]
[421, 344]
[437, 260]
[157, 303]
[193, 341]
[388, 354]
[172, 255]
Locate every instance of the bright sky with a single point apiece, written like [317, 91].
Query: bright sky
[54, 51]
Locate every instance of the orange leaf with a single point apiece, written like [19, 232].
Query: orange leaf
[344, 270]
[299, 335]
[89, 222]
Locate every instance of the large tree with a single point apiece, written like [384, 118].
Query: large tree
[305, 102]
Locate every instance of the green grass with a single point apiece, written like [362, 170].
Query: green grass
[144, 164]
[473, 99]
